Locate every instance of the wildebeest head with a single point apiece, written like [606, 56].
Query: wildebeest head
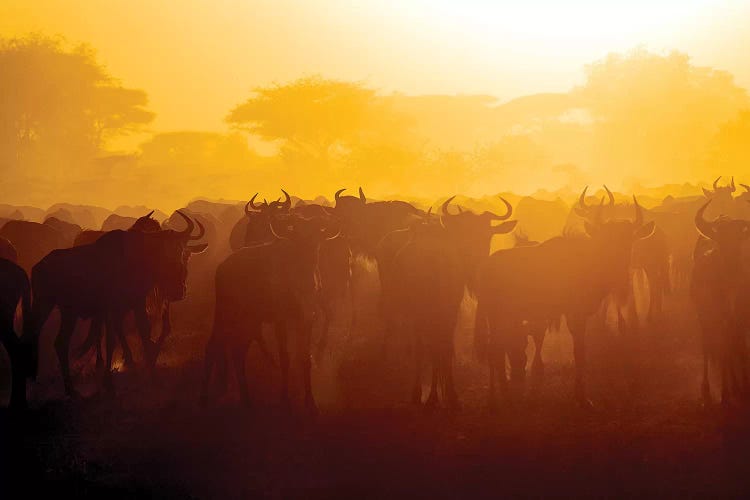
[146, 224]
[169, 253]
[258, 216]
[473, 232]
[720, 192]
[299, 238]
[347, 204]
[729, 234]
[614, 239]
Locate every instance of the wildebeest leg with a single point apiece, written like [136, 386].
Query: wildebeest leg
[18, 374]
[41, 309]
[144, 330]
[353, 308]
[326, 307]
[491, 396]
[114, 331]
[416, 393]
[304, 337]
[432, 399]
[127, 354]
[577, 327]
[451, 397]
[281, 340]
[516, 348]
[211, 357]
[705, 385]
[239, 358]
[62, 347]
[538, 333]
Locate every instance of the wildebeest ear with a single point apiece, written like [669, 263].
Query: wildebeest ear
[505, 227]
[707, 193]
[197, 248]
[645, 231]
[591, 229]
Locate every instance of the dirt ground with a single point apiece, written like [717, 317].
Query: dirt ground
[646, 436]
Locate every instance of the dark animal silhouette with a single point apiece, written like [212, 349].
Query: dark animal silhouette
[429, 275]
[720, 289]
[107, 279]
[649, 254]
[155, 308]
[567, 276]
[68, 230]
[32, 241]
[253, 227]
[274, 283]
[14, 288]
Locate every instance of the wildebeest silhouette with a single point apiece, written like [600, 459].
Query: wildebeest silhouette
[14, 288]
[108, 278]
[276, 283]
[568, 275]
[720, 291]
[32, 240]
[425, 285]
[144, 224]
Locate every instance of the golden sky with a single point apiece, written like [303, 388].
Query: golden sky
[196, 59]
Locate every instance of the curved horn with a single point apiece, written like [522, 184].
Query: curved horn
[190, 224]
[362, 197]
[250, 204]
[746, 187]
[287, 204]
[732, 188]
[444, 206]
[582, 199]
[716, 183]
[508, 211]
[704, 227]
[610, 195]
[429, 212]
[148, 215]
[460, 210]
[638, 213]
[338, 194]
[201, 231]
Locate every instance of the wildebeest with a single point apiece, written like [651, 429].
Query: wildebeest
[567, 275]
[425, 286]
[253, 227]
[107, 279]
[144, 224]
[334, 262]
[276, 283]
[651, 255]
[68, 230]
[14, 288]
[32, 240]
[720, 291]
[366, 223]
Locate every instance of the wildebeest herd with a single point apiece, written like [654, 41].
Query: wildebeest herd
[290, 265]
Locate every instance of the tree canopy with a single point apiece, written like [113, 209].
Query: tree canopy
[58, 107]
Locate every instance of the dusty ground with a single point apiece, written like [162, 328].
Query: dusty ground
[646, 436]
